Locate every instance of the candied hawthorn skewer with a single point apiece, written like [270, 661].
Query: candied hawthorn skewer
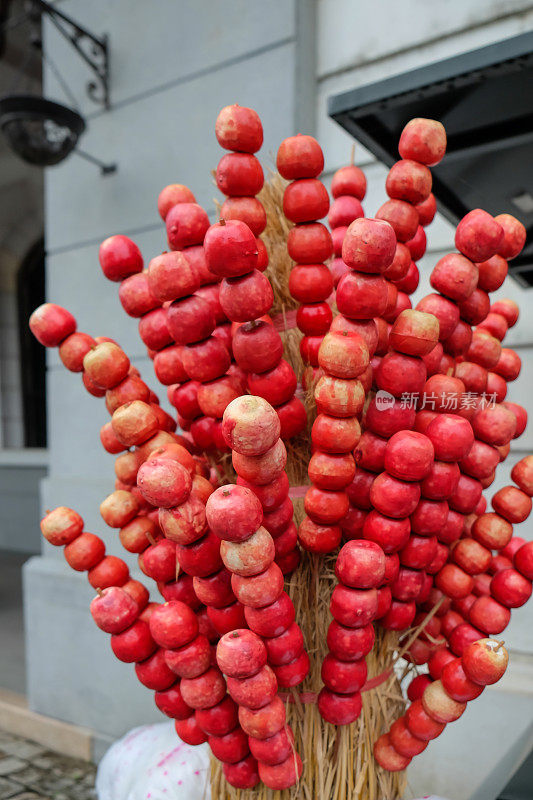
[360, 569]
[368, 249]
[246, 296]
[239, 173]
[348, 188]
[306, 201]
[407, 459]
[422, 144]
[343, 357]
[483, 662]
[242, 658]
[200, 328]
[251, 428]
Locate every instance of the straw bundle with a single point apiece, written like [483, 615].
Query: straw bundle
[338, 762]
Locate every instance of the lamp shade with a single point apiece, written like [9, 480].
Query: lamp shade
[40, 131]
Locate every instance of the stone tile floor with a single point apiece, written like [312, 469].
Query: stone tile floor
[28, 771]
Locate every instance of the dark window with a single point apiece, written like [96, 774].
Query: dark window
[30, 294]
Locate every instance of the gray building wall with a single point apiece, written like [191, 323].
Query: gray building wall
[12, 426]
[174, 65]
[21, 474]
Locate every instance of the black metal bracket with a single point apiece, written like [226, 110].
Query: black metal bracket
[93, 50]
[105, 169]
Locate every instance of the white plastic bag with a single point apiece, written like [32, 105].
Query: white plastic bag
[152, 763]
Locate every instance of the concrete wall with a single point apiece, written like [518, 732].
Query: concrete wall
[20, 480]
[12, 424]
[355, 47]
[174, 66]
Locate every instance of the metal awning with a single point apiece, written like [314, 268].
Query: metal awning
[484, 98]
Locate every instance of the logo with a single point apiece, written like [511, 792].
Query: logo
[384, 400]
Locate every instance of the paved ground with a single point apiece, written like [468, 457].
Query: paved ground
[29, 771]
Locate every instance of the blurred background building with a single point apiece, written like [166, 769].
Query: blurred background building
[173, 66]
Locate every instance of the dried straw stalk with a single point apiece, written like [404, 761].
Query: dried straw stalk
[338, 762]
